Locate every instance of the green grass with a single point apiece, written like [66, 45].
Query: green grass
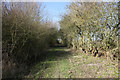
[60, 63]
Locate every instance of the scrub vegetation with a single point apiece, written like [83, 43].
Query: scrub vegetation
[85, 46]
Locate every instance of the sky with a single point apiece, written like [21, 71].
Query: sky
[55, 9]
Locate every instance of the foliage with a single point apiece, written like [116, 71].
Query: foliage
[90, 25]
[26, 32]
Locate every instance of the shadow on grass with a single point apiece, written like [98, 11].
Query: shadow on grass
[54, 53]
[49, 60]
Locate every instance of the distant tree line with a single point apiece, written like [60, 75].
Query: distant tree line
[92, 27]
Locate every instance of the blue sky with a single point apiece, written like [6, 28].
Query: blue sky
[55, 9]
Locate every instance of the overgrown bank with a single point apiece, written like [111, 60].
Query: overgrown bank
[26, 34]
[93, 27]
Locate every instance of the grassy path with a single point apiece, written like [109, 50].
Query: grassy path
[61, 63]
